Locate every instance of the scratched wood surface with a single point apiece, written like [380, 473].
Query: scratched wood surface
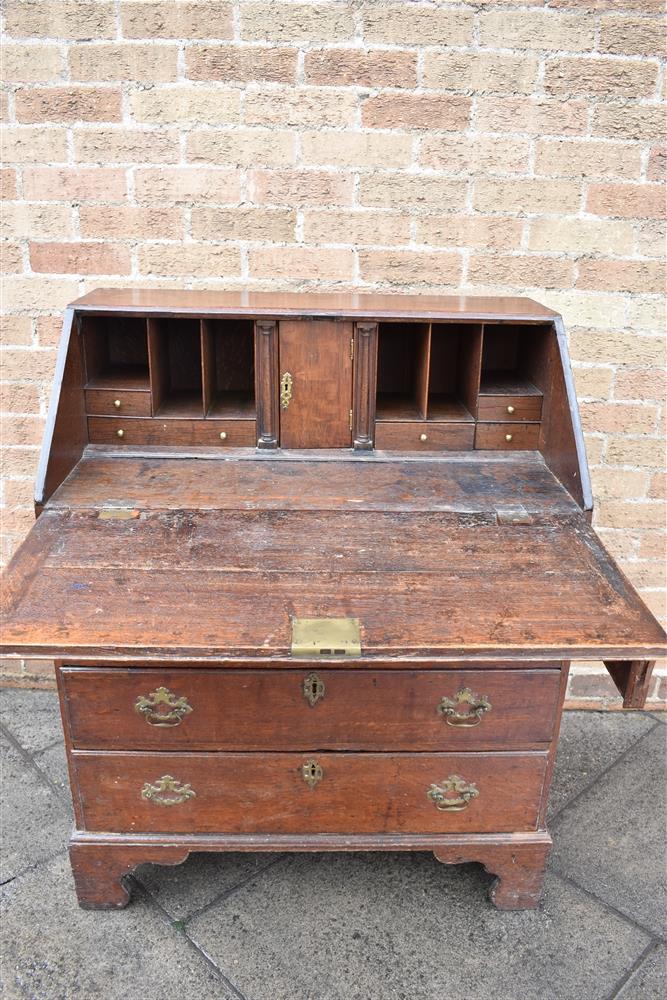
[468, 486]
[221, 583]
[266, 793]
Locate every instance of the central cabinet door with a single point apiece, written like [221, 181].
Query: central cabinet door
[315, 383]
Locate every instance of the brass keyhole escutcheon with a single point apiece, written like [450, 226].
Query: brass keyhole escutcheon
[312, 772]
[286, 382]
[313, 689]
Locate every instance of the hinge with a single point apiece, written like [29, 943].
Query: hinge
[350, 419]
[313, 637]
[351, 348]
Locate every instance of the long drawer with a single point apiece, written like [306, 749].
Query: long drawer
[135, 431]
[215, 709]
[317, 793]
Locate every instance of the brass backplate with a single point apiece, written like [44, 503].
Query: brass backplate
[326, 637]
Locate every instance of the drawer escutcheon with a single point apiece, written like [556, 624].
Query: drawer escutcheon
[159, 792]
[453, 794]
[313, 689]
[477, 705]
[312, 772]
[162, 708]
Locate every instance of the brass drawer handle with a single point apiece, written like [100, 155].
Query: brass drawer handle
[286, 381]
[477, 705]
[162, 708]
[159, 792]
[311, 772]
[313, 689]
[453, 794]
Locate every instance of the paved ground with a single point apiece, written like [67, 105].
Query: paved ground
[347, 927]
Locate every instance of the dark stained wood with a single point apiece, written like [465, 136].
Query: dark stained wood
[171, 301]
[266, 710]
[267, 377]
[419, 436]
[266, 792]
[177, 554]
[632, 678]
[365, 377]
[548, 591]
[472, 483]
[318, 356]
[518, 858]
[519, 869]
[102, 402]
[65, 434]
[511, 408]
[507, 436]
[171, 431]
[561, 438]
[98, 870]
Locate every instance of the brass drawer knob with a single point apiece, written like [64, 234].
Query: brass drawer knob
[473, 706]
[423, 437]
[510, 409]
[223, 435]
[313, 689]
[453, 794]
[311, 772]
[508, 437]
[120, 432]
[116, 403]
[167, 791]
[162, 708]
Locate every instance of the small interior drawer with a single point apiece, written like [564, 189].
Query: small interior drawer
[210, 432]
[507, 436]
[511, 408]
[416, 435]
[118, 403]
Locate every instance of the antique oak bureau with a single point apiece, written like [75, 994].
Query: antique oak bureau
[312, 569]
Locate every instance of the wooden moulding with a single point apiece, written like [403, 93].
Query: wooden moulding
[267, 377]
[100, 861]
[365, 376]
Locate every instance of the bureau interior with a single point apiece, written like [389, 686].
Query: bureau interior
[431, 376]
[192, 368]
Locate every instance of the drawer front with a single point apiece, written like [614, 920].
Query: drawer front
[301, 793]
[118, 403]
[512, 408]
[144, 709]
[237, 433]
[499, 437]
[407, 435]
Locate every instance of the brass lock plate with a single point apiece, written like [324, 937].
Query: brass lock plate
[326, 637]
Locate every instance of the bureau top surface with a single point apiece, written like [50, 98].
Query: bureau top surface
[163, 301]
[512, 571]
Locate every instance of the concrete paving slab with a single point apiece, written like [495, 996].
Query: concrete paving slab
[53, 762]
[589, 743]
[32, 717]
[612, 839]
[649, 981]
[52, 949]
[404, 927]
[35, 822]
[182, 890]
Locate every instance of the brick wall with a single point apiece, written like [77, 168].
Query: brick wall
[497, 147]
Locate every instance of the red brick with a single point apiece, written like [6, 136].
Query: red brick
[69, 104]
[79, 258]
[445, 112]
[627, 201]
